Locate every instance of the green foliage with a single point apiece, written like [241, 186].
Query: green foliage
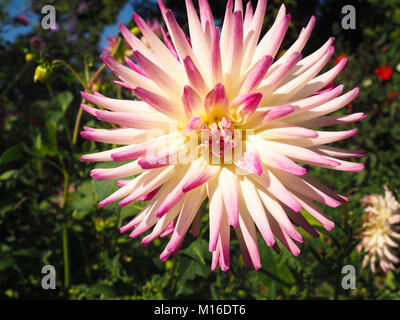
[46, 190]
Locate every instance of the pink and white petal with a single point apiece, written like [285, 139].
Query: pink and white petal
[216, 210]
[302, 154]
[254, 31]
[161, 78]
[102, 156]
[275, 159]
[249, 234]
[306, 189]
[297, 46]
[327, 121]
[272, 184]
[192, 102]
[164, 55]
[325, 137]
[276, 210]
[312, 102]
[290, 89]
[339, 153]
[191, 204]
[129, 76]
[162, 104]
[117, 104]
[255, 77]
[329, 107]
[165, 224]
[199, 41]
[115, 136]
[243, 248]
[195, 78]
[126, 170]
[272, 81]
[248, 17]
[145, 121]
[283, 237]
[345, 166]
[223, 243]
[299, 220]
[233, 64]
[308, 61]
[321, 81]
[202, 173]
[314, 211]
[281, 130]
[179, 39]
[230, 191]
[129, 188]
[148, 184]
[134, 42]
[270, 43]
[256, 210]
[215, 58]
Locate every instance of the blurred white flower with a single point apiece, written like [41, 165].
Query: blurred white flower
[379, 231]
[367, 82]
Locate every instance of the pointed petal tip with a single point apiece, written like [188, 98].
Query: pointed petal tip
[102, 204]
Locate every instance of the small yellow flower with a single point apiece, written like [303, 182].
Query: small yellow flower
[29, 57]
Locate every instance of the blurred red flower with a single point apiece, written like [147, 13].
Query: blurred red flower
[21, 19]
[338, 59]
[384, 72]
[391, 96]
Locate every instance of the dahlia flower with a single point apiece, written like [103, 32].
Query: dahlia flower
[379, 231]
[219, 119]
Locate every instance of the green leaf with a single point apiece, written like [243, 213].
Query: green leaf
[197, 250]
[46, 142]
[11, 154]
[83, 199]
[104, 290]
[64, 99]
[6, 262]
[132, 210]
[188, 269]
[8, 174]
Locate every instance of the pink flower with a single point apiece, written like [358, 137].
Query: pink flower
[379, 235]
[220, 119]
[111, 42]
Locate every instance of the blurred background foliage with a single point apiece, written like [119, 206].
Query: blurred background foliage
[48, 200]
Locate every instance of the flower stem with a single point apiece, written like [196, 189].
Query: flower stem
[71, 68]
[65, 231]
[88, 88]
[77, 124]
[12, 83]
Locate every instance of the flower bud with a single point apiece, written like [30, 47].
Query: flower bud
[42, 73]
